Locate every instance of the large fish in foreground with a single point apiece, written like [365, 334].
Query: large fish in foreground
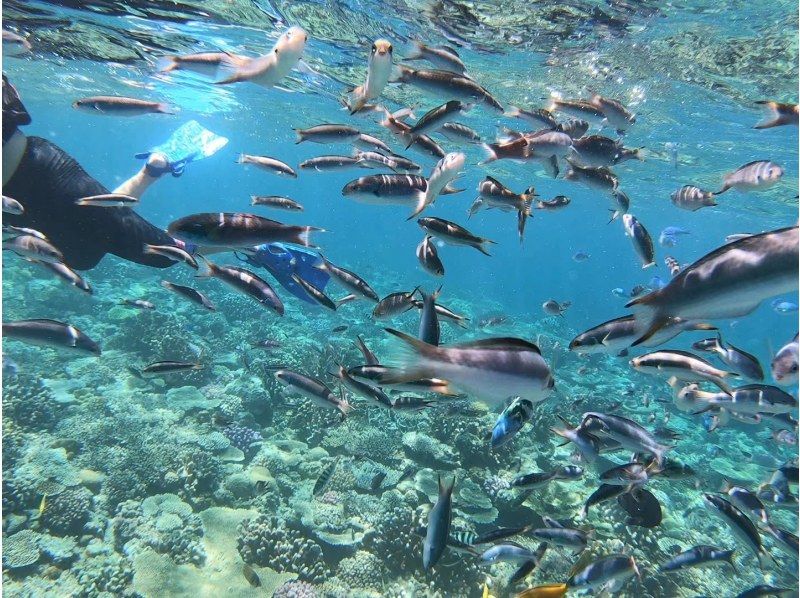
[729, 282]
[50, 333]
[490, 370]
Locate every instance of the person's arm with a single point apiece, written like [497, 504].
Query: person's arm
[135, 186]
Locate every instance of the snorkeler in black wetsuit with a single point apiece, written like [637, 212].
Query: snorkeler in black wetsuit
[47, 181]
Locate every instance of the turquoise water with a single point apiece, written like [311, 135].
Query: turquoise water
[142, 494]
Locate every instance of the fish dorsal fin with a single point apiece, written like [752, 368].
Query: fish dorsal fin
[495, 181]
[742, 167]
[449, 50]
[47, 321]
[506, 342]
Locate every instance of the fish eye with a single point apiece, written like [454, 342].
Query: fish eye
[374, 48]
[276, 50]
[305, 37]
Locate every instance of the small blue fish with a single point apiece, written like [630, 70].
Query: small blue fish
[657, 283]
[511, 421]
[782, 306]
[669, 236]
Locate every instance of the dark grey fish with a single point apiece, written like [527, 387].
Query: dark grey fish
[435, 117]
[602, 494]
[190, 293]
[528, 566]
[33, 248]
[448, 84]
[616, 114]
[442, 57]
[596, 151]
[246, 282]
[574, 127]
[325, 476]
[429, 331]
[409, 403]
[349, 280]
[642, 507]
[786, 540]
[558, 202]
[390, 189]
[562, 536]
[50, 333]
[251, 576]
[438, 531]
[363, 389]
[316, 294]
[276, 201]
[581, 109]
[740, 525]
[501, 533]
[600, 179]
[766, 590]
[684, 366]
[377, 480]
[237, 230]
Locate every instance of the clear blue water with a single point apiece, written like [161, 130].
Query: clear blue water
[690, 71]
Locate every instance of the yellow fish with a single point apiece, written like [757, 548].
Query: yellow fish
[486, 593]
[550, 590]
[43, 504]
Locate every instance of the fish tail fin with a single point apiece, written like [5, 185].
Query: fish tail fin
[300, 138]
[400, 74]
[721, 191]
[482, 246]
[359, 100]
[765, 559]
[491, 153]
[772, 118]
[415, 52]
[164, 108]
[303, 236]
[207, 268]
[703, 326]
[640, 153]
[522, 218]
[512, 112]
[421, 204]
[614, 215]
[410, 357]
[732, 563]
[166, 64]
[240, 158]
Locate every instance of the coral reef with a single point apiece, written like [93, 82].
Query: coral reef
[296, 589]
[28, 404]
[268, 541]
[67, 512]
[242, 437]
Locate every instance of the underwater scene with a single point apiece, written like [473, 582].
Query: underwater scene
[404, 298]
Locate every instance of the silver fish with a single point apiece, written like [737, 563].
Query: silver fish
[272, 165]
[692, 198]
[615, 336]
[682, 365]
[348, 280]
[753, 176]
[67, 274]
[731, 281]
[448, 84]
[429, 331]
[189, 293]
[490, 370]
[171, 252]
[610, 573]
[120, 106]
[784, 364]
[641, 239]
[34, 248]
[246, 282]
[442, 57]
[737, 360]
[328, 133]
[312, 389]
[12, 206]
[276, 201]
[108, 200]
[50, 333]
[237, 230]
[453, 234]
[428, 257]
[617, 115]
[740, 525]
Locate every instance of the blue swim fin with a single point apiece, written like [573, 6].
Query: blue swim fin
[190, 142]
[283, 261]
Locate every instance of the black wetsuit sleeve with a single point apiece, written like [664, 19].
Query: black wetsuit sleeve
[47, 183]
